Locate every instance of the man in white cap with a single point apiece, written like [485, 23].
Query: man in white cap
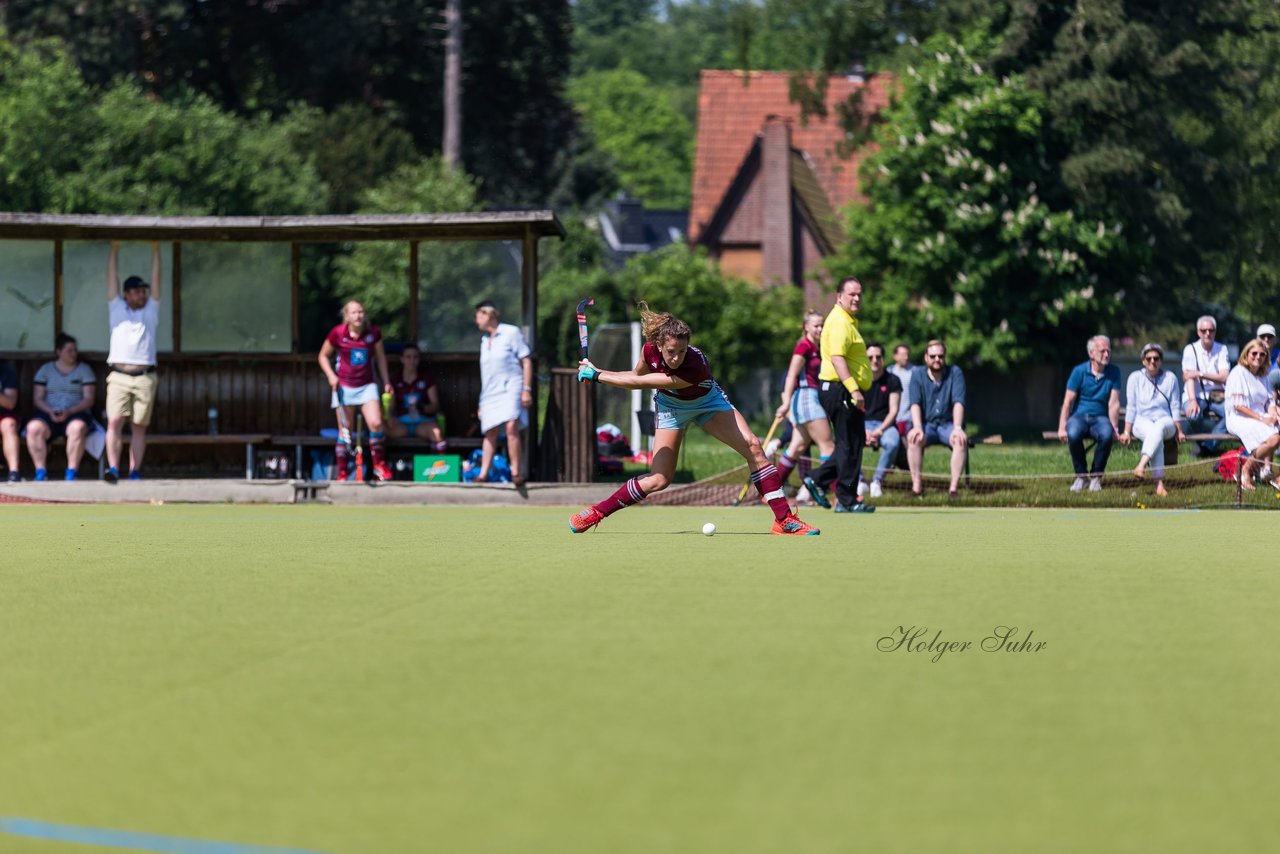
[1267, 333]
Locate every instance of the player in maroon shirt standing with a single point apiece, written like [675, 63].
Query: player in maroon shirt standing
[357, 344]
[800, 400]
[685, 392]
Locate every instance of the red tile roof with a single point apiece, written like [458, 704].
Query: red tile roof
[732, 108]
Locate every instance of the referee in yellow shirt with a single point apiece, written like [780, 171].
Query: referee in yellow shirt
[844, 376]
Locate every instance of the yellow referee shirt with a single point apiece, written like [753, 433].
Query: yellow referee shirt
[840, 336]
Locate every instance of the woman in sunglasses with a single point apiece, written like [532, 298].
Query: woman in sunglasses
[1153, 413]
[1251, 411]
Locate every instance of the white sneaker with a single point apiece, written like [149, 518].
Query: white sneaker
[1095, 484]
[876, 491]
[862, 488]
[1077, 484]
[802, 495]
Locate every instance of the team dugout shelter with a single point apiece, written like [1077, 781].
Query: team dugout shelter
[230, 337]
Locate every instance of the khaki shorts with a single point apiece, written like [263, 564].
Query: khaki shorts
[131, 397]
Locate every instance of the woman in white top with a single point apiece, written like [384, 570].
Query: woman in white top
[1153, 413]
[506, 392]
[1251, 411]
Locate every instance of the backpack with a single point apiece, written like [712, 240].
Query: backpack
[1229, 463]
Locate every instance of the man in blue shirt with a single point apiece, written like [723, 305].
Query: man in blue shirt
[1091, 408]
[937, 415]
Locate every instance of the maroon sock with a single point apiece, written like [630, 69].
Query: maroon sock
[786, 463]
[629, 493]
[378, 448]
[340, 457]
[769, 485]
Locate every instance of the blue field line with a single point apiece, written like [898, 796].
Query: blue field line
[33, 829]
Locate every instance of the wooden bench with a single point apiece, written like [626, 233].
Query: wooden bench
[1170, 445]
[249, 440]
[453, 444]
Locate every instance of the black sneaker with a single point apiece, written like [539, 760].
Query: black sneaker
[111, 476]
[817, 493]
[14, 477]
[856, 507]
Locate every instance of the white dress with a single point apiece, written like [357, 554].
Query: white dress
[502, 377]
[1244, 388]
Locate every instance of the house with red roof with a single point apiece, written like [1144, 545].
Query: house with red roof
[768, 184]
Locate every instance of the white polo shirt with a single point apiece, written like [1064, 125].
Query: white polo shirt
[133, 333]
[1194, 358]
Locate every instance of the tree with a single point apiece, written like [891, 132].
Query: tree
[377, 273]
[637, 125]
[252, 57]
[968, 233]
[43, 132]
[184, 158]
[1138, 92]
[352, 147]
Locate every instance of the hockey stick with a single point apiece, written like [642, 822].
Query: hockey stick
[359, 446]
[764, 444]
[582, 323]
[344, 426]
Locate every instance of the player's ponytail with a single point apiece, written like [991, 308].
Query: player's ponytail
[658, 327]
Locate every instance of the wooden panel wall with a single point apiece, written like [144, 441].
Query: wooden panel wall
[571, 421]
[277, 394]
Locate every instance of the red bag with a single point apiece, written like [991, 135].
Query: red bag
[1228, 463]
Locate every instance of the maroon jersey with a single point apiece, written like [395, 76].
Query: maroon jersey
[412, 394]
[812, 362]
[355, 355]
[695, 370]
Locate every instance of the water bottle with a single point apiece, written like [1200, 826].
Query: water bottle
[213, 421]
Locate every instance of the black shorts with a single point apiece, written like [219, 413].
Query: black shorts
[57, 431]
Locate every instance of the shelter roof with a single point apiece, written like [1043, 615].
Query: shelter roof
[495, 225]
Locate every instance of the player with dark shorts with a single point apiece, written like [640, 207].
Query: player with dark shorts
[685, 392]
[357, 345]
[63, 393]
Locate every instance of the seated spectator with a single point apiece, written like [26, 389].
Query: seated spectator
[882, 401]
[937, 415]
[1204, 370]
[416, 401]
[1251, 411]
[1267, 333]
[1091, 408]
[9, 419]
[902, 369]
[1153, 413]
[63, 393]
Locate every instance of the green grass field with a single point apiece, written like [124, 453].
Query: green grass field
[481, 680]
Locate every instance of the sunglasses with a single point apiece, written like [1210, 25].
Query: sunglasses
[935, 355]
[1153, 358]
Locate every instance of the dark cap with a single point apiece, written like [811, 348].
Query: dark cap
[135, 282]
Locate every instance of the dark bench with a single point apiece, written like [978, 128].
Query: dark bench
[1170, 445]
[453, 444]
[249, 440]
